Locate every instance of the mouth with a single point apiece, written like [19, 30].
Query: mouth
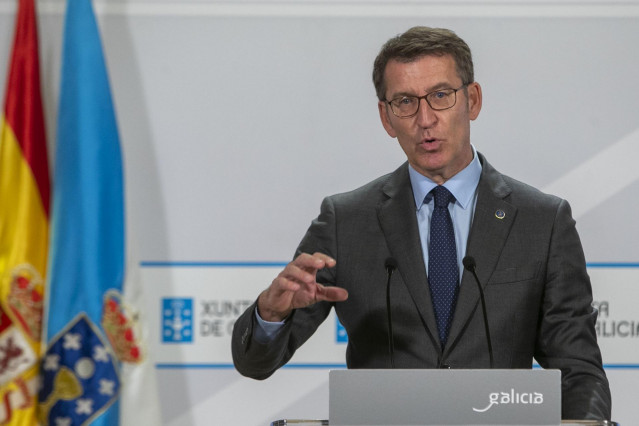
[430, 144]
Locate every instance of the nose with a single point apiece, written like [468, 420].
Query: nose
[426, 116]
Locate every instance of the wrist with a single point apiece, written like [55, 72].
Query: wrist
[267, 313]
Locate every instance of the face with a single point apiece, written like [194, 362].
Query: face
[437, 143]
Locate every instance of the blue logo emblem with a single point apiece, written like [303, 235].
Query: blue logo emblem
[177, 320]
[340, 332]
[79, 376]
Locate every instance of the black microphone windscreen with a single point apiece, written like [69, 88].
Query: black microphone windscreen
[469, 263]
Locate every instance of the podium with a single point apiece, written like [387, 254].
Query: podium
[444, 397]
[424, 397]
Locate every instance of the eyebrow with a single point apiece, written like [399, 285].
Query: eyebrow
[436, 87]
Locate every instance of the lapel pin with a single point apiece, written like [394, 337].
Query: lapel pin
[500, 214]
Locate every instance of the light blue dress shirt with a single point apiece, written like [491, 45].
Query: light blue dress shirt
[463, 186]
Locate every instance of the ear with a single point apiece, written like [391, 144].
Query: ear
[474, 100]
[386, 120]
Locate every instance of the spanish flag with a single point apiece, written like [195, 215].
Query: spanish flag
[24, 225]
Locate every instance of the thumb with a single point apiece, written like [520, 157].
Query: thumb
[331, 293]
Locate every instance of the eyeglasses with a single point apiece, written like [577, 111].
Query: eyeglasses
[439, 100]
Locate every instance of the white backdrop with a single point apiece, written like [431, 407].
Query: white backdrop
[236, 118]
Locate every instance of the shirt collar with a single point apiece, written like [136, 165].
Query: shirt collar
[462, 185]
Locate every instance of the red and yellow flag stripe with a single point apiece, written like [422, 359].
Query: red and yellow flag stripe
[24, 225]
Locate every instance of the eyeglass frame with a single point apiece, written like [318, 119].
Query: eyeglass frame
[425, 97]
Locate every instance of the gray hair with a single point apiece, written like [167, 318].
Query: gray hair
[418, 42]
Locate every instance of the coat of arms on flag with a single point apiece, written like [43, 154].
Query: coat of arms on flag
[80, 377]
[120, 327]
[80, 371]
[16, 353]
[25, 298]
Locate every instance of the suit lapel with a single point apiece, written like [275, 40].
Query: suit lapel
[492, 222]
[398, 220]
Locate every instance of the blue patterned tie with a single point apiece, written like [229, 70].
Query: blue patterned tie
[443, 271]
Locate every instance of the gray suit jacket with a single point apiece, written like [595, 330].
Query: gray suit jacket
[530, 263]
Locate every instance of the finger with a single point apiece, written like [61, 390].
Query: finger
[331, 294]
[314, 262]
[298, 274]
[283, 284]
[329, 262]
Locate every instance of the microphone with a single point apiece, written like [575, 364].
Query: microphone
[391, 265]
[469, 265]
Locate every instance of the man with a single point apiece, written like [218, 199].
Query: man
[446, 203]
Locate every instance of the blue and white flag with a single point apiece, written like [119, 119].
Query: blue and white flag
[93, 334]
